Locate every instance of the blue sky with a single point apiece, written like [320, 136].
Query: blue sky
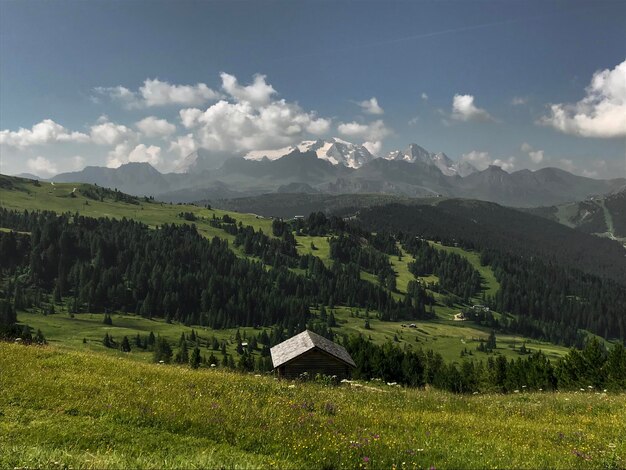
[519, 84]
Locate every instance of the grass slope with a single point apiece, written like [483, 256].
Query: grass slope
[26, 195]
[61, 409]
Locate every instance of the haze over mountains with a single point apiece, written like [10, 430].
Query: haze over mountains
[335, 166]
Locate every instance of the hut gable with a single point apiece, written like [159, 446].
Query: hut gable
[310, 350]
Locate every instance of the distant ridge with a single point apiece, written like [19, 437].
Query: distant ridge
[335, 166]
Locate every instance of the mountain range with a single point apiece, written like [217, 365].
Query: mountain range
[335, 166]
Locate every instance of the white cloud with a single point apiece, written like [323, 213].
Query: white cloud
[158, 93]
[601, 113]
[116, 93]
[424, 96]
[372, 132]
[519, 101]
[252, 121]
[183, 145]
[373, 147]
[482, 160]
[155, 127]
[536, 156]
[190, 116]
[125, 153]
[371, 106]
[41, 166]
[463, 109]
[75, 163]
[259, 93]
[155, 92]
[109, 133]
[143, 153]
[526, 147]
[413, 121]
[567, 165]
[506, 164]
[44, 132]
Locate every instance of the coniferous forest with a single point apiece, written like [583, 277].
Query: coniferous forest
[172, 272]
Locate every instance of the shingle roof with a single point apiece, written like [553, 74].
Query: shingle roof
[306, 341]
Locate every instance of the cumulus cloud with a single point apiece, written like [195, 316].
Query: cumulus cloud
[76, 162]
[536, 156]
[519, 101]
[183, 146]
[155, 92]
[44, 132]
[371, 132]
[155, 127]
[259, 93]
[109, 133]
[464, 109]
[507, 164]
[601, 113]
[371, 106]
[373, 147]
[252, 121]
[125, 153]
[424, 96]
[41, 166]
[482, 160]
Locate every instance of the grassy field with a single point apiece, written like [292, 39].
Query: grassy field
[57, 198]
[446, 337]
[69, 409]
[85, 332]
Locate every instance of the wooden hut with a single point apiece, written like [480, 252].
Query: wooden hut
[311, 353]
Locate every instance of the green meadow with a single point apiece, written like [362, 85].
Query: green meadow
[71, 409]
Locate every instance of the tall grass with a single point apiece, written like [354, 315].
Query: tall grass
[62, 408]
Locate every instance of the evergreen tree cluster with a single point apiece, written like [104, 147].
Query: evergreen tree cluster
[456, 274]
[174, 273]
[557, 281]
[592, 368]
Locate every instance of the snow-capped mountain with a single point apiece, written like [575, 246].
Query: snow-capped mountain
[334, 150]
[415, 153]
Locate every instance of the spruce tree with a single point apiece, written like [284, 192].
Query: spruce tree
[162, 351]
[125, 345]
[195, 359]
[182, 356]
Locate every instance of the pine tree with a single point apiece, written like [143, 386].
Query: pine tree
[162, 351]
[125, 345]
[195, 359]
[182, 356]
[39, 338]
[491, 341]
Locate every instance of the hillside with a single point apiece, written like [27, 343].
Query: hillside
[602, 216]
[447, 337]
[79, 409]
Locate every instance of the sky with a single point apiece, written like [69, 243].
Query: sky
[518, 84]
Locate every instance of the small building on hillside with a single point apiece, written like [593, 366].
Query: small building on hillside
[311, 353]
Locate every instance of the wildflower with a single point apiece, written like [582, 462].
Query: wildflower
[366, 459]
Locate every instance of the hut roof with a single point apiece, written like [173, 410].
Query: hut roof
[306, 341]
